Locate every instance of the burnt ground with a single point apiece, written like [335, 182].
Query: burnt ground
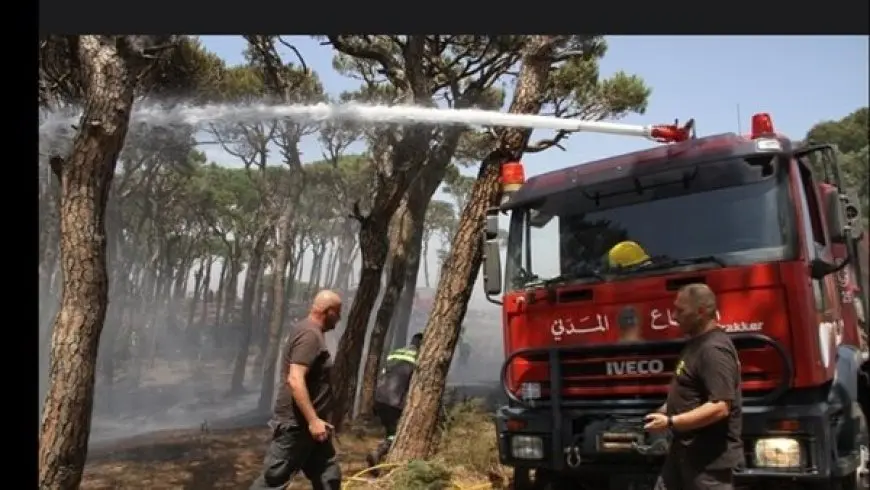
[201, 460]
[222, 456]
[137, 439]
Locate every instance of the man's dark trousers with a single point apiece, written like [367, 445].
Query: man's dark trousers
[389, 417]
[678, 474]
[293, 449]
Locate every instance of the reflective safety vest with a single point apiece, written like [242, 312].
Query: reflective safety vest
[395, 378]
[403, 354]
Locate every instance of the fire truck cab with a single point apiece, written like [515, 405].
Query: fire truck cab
[590, 348]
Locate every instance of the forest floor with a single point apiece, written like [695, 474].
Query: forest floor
[219, 457]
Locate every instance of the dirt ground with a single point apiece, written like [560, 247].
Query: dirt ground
[196, 460]
[231, 458]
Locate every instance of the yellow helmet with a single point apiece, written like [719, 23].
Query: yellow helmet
[626, 254]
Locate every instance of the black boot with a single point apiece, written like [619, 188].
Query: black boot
[374, 458]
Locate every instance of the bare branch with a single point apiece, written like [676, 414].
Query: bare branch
[371, 52]
[297, 53]
[545, 144]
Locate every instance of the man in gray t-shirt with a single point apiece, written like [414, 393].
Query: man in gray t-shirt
[301, 437]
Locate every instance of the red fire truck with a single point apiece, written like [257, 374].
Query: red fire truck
[783, 249]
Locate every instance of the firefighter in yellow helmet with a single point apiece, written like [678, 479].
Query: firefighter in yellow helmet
[627, 254]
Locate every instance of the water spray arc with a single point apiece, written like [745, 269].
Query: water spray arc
[154, 115]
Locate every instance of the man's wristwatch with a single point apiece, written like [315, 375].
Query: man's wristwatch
[670, 421]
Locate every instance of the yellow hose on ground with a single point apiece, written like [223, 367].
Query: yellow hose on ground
[358, 477]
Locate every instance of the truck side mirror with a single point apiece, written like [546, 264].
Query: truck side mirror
[491, 266]
[491, 229]
[820, 268]
[836, 217]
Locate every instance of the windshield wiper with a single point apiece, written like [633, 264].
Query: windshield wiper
[667, 263]
[563, 278]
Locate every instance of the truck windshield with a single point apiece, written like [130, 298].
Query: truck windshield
[731, 212]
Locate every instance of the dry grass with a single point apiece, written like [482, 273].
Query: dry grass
[466, 459]
[231, 459]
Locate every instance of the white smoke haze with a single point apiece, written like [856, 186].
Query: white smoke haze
[171, 375]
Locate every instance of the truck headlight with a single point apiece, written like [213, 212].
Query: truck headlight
[527, 447]
[530, 391]
[778, 452]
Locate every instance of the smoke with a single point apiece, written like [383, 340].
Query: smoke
[169, 341]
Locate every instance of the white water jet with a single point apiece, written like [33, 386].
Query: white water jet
[198, 116]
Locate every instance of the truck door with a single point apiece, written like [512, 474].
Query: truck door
[825, 290]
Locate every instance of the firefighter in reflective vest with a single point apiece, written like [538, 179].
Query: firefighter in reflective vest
[392, 388]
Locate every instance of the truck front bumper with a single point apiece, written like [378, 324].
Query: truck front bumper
[577, 443]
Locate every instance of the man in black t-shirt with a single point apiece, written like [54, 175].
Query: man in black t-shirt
[301, 437]
[703, 407]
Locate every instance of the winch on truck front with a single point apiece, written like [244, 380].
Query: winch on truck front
[591, 346]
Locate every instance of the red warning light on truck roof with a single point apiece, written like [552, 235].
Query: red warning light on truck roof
[762, 125]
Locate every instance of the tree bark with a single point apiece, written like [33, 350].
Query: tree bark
[407, 160]
[346, 246]
[276, 319]
[85, 179]
[401, 244]
[391, 295]
[417, 431]
[425, 259]
[402, 318]
[207, 295]
[197, 290]
[244, 347]
[219, 296]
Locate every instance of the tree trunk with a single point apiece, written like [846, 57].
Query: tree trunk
[401, 244]
[207, 295]
[425, 260]
[331, 266]
[231, 291]
[260, 300]
[244, 347]
[179, 289]
[112, 324]
[402, 318]
[85, 180]
[417, 431]
[219, 296]
[355, 255]
[314, 274]
[301, 265]
[276, 319]
[197, 290]
[346, 246]
[374, 244]
[318, 277]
